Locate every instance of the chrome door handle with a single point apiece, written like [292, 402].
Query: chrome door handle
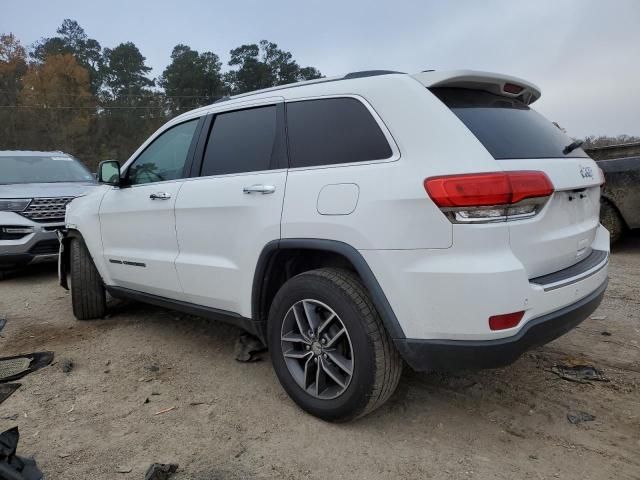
[264, 189]
[160, 196]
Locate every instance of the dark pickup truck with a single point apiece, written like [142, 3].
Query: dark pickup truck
[620, 202]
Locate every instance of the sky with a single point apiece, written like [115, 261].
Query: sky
[583, 54]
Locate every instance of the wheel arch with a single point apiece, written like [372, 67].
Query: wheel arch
[275, 261]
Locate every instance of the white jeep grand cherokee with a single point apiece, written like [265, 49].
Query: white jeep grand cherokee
[354, 224]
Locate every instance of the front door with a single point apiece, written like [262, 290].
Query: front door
[137, 220]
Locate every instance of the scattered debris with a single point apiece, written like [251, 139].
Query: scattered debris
[579, 417]
[247, 347]
[3, 321]
[107, 363]
[146, 400]
[64, 454]
[12, 466]
[7, 390]
[160, 471]
[66, 365]
[579, 373]
[165, 410]
[598, 317]
[11, 417]
[152, 368]
[606, 334]
[71, 409]
[13, 368]
[123, 469]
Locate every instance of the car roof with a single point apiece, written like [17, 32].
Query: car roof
[30, 153]
[493, 82]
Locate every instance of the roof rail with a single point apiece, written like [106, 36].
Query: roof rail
[368, 73]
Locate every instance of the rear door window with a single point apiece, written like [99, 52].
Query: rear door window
[506, 127]
[333, 131]
[243, 141]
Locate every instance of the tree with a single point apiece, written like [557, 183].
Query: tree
[73, 40]
[13, 65]
[125, 72]
[57, 96]
[264, 65]
[131, 110]
[193, 79]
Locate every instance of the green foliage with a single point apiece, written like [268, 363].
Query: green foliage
[192, 79]
[72, 39]
[263, 66]
[99, 103]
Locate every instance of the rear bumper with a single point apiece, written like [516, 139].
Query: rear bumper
[448, 355]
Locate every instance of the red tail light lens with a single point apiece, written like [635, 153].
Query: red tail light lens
[508, 320]
[486, 189]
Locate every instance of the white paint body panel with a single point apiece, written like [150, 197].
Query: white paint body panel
[221, 233]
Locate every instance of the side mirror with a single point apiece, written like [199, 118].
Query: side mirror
[109, 172]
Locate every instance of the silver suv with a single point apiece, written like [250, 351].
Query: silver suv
[35, 188]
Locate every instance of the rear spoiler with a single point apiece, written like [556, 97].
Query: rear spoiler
[498, 84]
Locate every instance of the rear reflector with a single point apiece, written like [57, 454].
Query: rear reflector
[487, 189]
[508, 320]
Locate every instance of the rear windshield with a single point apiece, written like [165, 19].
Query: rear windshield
[42, 169]
[506, 127]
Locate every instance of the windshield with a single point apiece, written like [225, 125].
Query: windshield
[42, 169]
[506, 127]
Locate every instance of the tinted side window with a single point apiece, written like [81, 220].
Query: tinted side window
[164, 159]
[241, 141]
[331, 131]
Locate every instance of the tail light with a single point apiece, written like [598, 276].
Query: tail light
[490, 197]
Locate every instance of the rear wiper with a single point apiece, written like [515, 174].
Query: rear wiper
[572, 146]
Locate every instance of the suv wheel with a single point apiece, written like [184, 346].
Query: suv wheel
[328, 346]
[611, 219]
[87, 289]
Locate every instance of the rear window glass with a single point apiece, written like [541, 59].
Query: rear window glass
[241, 141]
[332, 131]
[506, 127]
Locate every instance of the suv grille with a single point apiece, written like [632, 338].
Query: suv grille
[46, 209]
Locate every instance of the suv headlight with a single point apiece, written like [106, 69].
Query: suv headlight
[14, 204]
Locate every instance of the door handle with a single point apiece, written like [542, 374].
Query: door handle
[160, 196]
[264, 189]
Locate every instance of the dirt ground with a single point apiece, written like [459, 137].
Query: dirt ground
[232, 420]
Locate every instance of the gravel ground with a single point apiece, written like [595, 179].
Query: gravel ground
[231, 420]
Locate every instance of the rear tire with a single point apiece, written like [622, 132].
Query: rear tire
[611, 219]
[373, 365]
[87, 290]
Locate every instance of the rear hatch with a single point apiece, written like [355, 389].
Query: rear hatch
[519, 138]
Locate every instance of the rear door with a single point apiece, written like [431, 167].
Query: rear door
[232, 208]
[137, 220]
[519, 138]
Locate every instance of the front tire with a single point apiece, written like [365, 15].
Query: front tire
[329, 347]
[88, 295]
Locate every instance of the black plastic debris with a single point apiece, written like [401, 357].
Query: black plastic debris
[7, 390]
[37, 361]
[579, 373]
[579, 417]
[247, 348]
[12, 466]
[3, 321]
[160, 471]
